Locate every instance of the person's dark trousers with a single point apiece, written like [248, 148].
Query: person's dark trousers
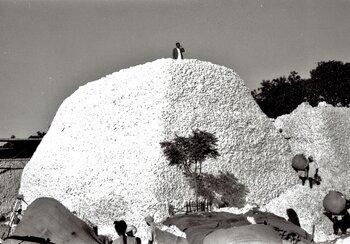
[317, 179]
[345, 223]
[343, 228]
[303, 179]
[336, 225]
[311, 181]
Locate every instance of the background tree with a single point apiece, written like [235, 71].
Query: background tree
[281, 95]
[329, 81]
[188, 153]
[39, 134]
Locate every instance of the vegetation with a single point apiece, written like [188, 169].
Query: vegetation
[188, 153]
[39, 134]
[329, 82]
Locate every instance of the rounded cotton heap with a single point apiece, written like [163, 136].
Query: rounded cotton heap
[321, 132]
[102, 157]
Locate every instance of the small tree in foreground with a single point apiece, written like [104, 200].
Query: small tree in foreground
[188, 153]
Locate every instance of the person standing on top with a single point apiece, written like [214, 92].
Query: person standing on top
[177, 52]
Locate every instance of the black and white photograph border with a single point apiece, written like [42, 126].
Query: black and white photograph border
[188, 121]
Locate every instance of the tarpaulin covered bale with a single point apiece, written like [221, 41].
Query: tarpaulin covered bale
[168, 238]
[198, 225]
[334, 202]
[244, 234]
[299, 162]
[196, 234]
[279, 224]
[186, 221]
[46, 218]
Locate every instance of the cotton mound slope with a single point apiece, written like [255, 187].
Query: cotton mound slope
[323, 132]
[102, 157]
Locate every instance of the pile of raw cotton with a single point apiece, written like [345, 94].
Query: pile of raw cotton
[324, 133]
[102, 155]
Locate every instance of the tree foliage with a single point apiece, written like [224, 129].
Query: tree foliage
[39, 134]
[329, 81]
[281, 95]
[188, 153]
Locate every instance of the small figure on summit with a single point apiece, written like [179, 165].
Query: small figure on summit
[177, 51]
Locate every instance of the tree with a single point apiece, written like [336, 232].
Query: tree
[39, 134]
[281, 95]
[188, 153]
[329, 81]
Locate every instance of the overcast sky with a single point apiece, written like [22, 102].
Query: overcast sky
[48, 48]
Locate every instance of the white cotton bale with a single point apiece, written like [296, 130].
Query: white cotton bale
[101, 156]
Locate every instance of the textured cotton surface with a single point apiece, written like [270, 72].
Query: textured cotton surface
[101, 156]
[322, 132]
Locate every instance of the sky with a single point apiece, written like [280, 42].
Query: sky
[48, 48]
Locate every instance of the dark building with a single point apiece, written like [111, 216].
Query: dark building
[18, 148]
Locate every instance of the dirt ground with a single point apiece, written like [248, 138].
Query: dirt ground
[10, 179]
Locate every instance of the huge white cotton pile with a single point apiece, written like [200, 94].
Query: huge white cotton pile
[324, 133]
[102, 157]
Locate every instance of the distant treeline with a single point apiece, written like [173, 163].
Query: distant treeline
[329, 82]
